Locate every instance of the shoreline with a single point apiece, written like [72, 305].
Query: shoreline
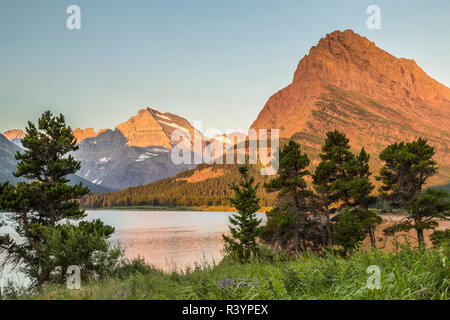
[177, 208]
[394, 213]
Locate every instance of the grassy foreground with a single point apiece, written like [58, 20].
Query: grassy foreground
[405, 274]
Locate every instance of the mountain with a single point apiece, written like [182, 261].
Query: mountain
[347, 83]
[151, 127]
[74, 179]
[109, 161]
[446, 187]
[8, 165]
[7, 161]
[136, 152]
[15, 136]
[81, 135]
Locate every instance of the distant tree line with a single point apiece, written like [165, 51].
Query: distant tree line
[176, 191]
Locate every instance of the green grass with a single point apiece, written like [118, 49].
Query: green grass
[405, 274]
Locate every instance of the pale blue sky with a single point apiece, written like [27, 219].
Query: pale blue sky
[210, 60]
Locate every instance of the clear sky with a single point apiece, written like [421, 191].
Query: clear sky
[211, 60]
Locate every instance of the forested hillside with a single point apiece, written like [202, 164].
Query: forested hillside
[207, 185]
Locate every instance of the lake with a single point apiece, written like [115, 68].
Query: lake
[169, 240]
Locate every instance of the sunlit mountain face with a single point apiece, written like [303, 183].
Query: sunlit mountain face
[347, 83]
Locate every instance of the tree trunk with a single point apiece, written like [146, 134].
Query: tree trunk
[329, 240]
[303, 232]
[324, 233]
[296, 240]
[372, 238]
[420, 237]
[43, 276]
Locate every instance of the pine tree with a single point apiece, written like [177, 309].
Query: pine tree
[407, 166]
[244, 226]
[348, 231]
[293, 195]
[39, 207]
[358, 189]
[358, 186]
[440, 237]
[331, 176]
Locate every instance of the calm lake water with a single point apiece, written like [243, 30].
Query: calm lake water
[166, 239]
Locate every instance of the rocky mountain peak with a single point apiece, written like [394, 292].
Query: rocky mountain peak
[150, 127]
[83, 134]
[142, 130]
[14, 134]
[353, 62]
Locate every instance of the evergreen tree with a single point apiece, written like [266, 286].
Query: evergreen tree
[407, 166]
[348, 231]
[331, 176]
[244, 226]
[423, 211]
[370, 221]
[342, 180]
[358, 186]
[440, 237]
[82, 245]
[293, 196]
[359, 189]
[38, 208]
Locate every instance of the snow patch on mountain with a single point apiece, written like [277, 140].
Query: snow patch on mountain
[163, 117]
[160, 150]
[104, 160]
[145, 156]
